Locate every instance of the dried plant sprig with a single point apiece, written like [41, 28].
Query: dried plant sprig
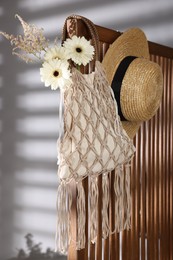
[32, 42]
[23, 57]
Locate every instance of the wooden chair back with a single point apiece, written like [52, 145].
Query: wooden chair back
[151, 234]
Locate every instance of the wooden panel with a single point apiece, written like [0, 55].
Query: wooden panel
[151, 234]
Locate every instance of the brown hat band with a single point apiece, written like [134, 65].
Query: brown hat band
[117, 82]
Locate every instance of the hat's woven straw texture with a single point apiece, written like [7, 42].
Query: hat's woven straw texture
[141, 90]
[142, 84]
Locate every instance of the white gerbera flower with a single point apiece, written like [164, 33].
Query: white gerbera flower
[79, 50]
[56, 52]
[56, 74]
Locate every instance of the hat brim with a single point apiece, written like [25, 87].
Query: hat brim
[133, 42]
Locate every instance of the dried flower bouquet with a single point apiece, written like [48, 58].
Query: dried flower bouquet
[56, 70]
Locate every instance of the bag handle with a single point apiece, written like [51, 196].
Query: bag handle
[91, 28]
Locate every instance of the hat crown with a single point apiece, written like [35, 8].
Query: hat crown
[141, 90]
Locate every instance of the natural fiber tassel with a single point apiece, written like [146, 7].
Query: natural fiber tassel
[127, 199]
[119, 195]
[105, 205]
[81, 217]
[64, 201]
[93, 196]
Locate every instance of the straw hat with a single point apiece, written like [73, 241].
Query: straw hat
[137, 82]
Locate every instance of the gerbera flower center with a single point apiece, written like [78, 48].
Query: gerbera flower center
[56, 73]
[56, 57]
[78, 49]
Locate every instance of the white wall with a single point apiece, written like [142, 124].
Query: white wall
[29, 112]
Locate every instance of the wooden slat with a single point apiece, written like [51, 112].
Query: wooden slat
[72, 254]
[83, 253]
[168, 157]
[156, 178]
[171, 161]
[138, 193]
[99, 237]
[135, 188]
[106, 249]
[154, 189]
[92, 251]
[124, 245]
[133, 217]
[151, 224]
[143, 193]
[166, 162]
[164, 166]
[114, 238]
[160, 162]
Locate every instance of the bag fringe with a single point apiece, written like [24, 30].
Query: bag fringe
[119, 195]
[105, 205]
[127, 199]
[81, 217]
[64, 202]
[122, 209]
[93, 200]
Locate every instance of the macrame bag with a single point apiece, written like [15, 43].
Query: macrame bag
[93, 143]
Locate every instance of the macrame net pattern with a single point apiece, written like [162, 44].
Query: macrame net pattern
[94, 143]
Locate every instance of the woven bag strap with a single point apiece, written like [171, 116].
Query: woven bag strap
[91, 28]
